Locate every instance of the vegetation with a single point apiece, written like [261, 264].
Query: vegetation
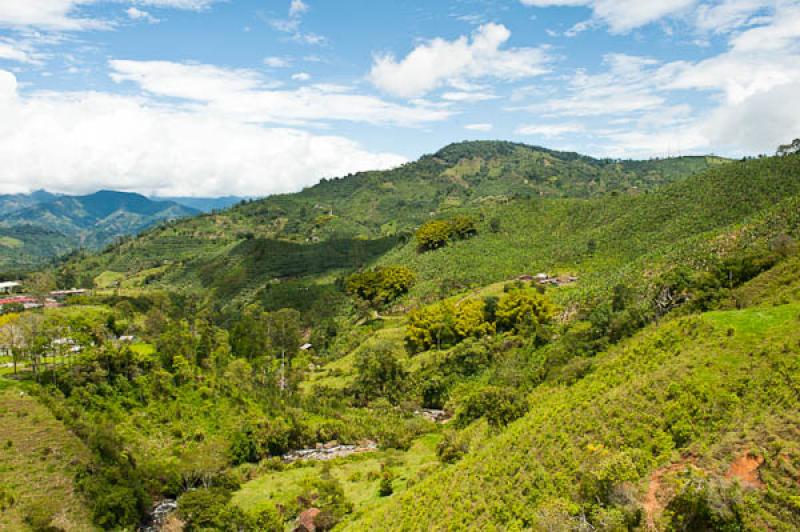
[648, 379]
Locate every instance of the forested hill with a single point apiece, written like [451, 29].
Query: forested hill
[344, 223]
[380, 203]
[45, 225]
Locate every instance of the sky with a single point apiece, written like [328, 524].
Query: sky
[255, 97]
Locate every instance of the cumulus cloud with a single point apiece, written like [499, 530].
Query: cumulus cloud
[736, 102]
[622, 15]
[301, 76]
[80, 142]
[439, 63]
[243, 95]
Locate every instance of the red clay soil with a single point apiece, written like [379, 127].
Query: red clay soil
[745, 470]
[652, 505]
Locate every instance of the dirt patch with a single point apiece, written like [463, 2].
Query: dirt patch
[656, 499]
[745, 470]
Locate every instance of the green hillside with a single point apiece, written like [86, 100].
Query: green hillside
[650, 384]
[40, 459]
[356, 214]
[671, 411]
[25, 247]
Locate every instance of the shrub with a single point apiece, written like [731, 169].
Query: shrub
[438, 233]
[523, 309]
[385, 487]
[380, 285]
[379, 373]
[702, 504]
[499, 405]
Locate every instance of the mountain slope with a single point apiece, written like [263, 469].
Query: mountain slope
[96, 219]
[702, 216]
[352, 213]
[684, 401]
[24, 247]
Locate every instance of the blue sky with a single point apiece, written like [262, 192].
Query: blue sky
[251, 97]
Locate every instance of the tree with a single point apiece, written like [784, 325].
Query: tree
[380, 285]
[433, 235]
[175, 341]
[379, 373]
[789, 149]
[431, 326]
[523, 308]
[470, 319]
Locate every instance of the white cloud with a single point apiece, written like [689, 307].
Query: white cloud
[277, 62]
[479, 127]
[627, 87]
[21, 52]
[728, 15]
[243, 95]
[550, 130]
[95, 140]
[439, 62]
[622, 15]
[292, 24]
[301, 76]
[297, 8]
[138, 14]
[465, 96]
[48, 14]
[66, 15]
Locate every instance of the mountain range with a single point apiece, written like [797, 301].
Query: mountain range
[43, 225]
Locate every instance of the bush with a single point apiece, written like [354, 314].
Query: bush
[202, 508]
[522, 310]
[385, 487]
[379, 373]
[380, 285]
[702, 504]
[499, 405]
[438, 233]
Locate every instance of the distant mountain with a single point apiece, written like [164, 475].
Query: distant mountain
[70, 222]
[203, 204]
[14, 202]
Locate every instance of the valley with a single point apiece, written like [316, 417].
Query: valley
[504, 344]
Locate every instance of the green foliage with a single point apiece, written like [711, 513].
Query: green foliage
[380, 286]
[433, 235]
[704, 504]
[385, 487]
[499, 405]
[438, 233]
[523, 310]
[204, 508]
[585, 450]
[379, 374]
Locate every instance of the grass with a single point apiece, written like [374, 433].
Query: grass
[711, 386]
[339, 374]
[39, 458]
[358, 474]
